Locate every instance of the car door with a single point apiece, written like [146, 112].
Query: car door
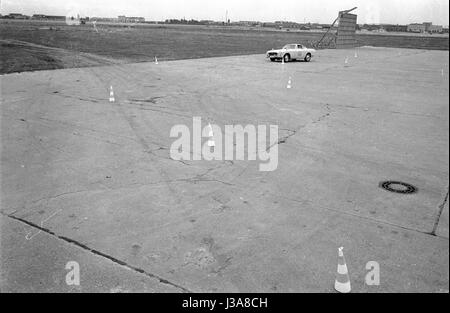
[292, 50]
[300, 52]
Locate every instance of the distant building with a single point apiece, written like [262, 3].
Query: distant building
[247, 23]
[48, 17]
[38, 17]
[426, 27]
[288, 24]
[130, 19]
[370, 27]
[316, 26]
[395, 28]
[435, 29]
[416, 28]
[104, 19]
[16, 16]
[269, 24]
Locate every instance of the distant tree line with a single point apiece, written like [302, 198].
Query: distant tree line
[184, 21]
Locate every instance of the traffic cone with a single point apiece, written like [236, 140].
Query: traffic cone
[356, 54]
[346, 60]
[282, 60]
[211, 142]
[111, 95]
[289, 84]
[342, 282]
[156, 60]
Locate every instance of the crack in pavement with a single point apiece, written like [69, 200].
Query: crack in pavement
[295, 131]
[367, 218]
[385, 111]
[438, 217]
[285, 138]
[324, 116]
[101, 254]
[48, 198]
[78, 127]
[66, 96]
[194, 179]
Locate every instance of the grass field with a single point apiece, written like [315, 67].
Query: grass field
[119, 43]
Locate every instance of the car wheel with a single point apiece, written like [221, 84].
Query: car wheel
[287, 57]
[308, 57]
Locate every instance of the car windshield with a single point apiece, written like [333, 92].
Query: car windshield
[289, 47]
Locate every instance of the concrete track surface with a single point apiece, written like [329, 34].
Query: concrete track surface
[91, 181]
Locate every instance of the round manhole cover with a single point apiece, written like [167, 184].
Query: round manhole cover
[398, 186]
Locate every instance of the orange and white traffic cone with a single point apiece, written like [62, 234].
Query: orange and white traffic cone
[211, 142]
[342, 282]
[111, 95]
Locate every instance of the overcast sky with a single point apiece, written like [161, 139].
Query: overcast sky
[322, 11]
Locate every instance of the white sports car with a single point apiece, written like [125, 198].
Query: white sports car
[291, 52]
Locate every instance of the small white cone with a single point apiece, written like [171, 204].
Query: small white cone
[111, 95]
[156, 60]
[346, 60]
[282, 60]
[289, 84]
[356, 54]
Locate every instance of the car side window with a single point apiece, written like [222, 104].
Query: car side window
[300, 46]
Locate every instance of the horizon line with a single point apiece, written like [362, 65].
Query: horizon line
[256, 21]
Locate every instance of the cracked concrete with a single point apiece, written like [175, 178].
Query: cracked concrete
[440, 227]
[99, 273]
[219, 226]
